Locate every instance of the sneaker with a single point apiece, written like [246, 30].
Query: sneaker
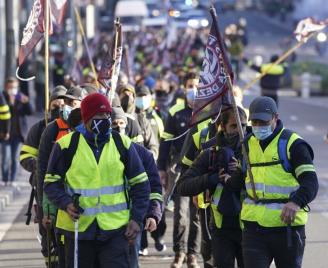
[192, 261]
[179, 259]
[159, 245]
[143, 252]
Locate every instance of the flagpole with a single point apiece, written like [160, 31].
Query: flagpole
[114, 77]
[46, 58]
[234, 105]
[279, 60]
[85, 41]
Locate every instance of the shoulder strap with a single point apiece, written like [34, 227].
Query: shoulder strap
[120, 147]
[282, 149]
[246, 139]
[212, 158]
[203, 136]
[72, 147]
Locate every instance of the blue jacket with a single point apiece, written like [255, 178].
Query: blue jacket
[156, 199]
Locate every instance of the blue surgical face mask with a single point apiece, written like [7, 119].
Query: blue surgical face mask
[261, 133]
[143, 103]
[66, 111]
[191, 95]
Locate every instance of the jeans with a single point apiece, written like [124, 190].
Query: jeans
[183, 205]
[261, 248]
[9, 161]
[113, 252]
[226, 245]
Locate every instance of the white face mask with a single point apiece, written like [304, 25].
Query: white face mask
[143, 103]
[13, 91]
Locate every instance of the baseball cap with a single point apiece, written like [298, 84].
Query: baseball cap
[262, 108]
[57, 92]
[142, 91]
[75, 93]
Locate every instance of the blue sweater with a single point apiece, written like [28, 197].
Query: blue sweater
[155, 204]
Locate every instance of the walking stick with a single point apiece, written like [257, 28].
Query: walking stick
[48, 238]
[76, 231]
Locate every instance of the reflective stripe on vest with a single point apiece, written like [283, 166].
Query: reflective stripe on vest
[101, 186]
[214, 205]
[272, 182]
[63, 128]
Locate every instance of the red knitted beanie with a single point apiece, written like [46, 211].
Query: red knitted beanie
[93, 104]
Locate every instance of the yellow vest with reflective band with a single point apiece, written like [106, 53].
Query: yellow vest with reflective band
[159, 123]
[271, 182]
[275, 70]
[101, 186]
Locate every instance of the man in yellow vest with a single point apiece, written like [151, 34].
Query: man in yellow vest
[285, 183]
[270, 83]
[205, 175]
[103, 168]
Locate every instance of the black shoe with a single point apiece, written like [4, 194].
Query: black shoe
[159, 245]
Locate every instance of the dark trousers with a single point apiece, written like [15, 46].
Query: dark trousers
[272, 93]
[205, 246]
[261, 248]
[157, 235]
[181, 217]
[226, 244]
[113, 252]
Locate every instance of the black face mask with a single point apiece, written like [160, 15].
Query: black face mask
[120, 130]
[101, 126]
[54, 113]
[160, 93]
[232, 140]
[74, 118]
[127, 104]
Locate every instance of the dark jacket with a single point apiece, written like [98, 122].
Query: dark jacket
[4, 116]
[177, 124]
[138, 193]
[30, 149]
[47, 141]
[18, 121]
[156, 200]
[203, 175]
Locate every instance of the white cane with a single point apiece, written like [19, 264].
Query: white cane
[76, 241]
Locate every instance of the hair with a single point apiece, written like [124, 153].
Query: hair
[189, 76]
[10, 80]
[226, 114]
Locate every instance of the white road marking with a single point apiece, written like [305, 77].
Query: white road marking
[309, 128]
[293, 118]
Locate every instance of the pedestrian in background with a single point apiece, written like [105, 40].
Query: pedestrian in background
[19, 108]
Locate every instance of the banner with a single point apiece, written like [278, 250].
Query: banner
[34, 30]
[212, 93]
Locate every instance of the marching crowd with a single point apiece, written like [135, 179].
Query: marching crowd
[105, 172]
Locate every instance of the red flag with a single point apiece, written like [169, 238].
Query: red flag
[308, 26]
[34, 30]
[212, 93]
